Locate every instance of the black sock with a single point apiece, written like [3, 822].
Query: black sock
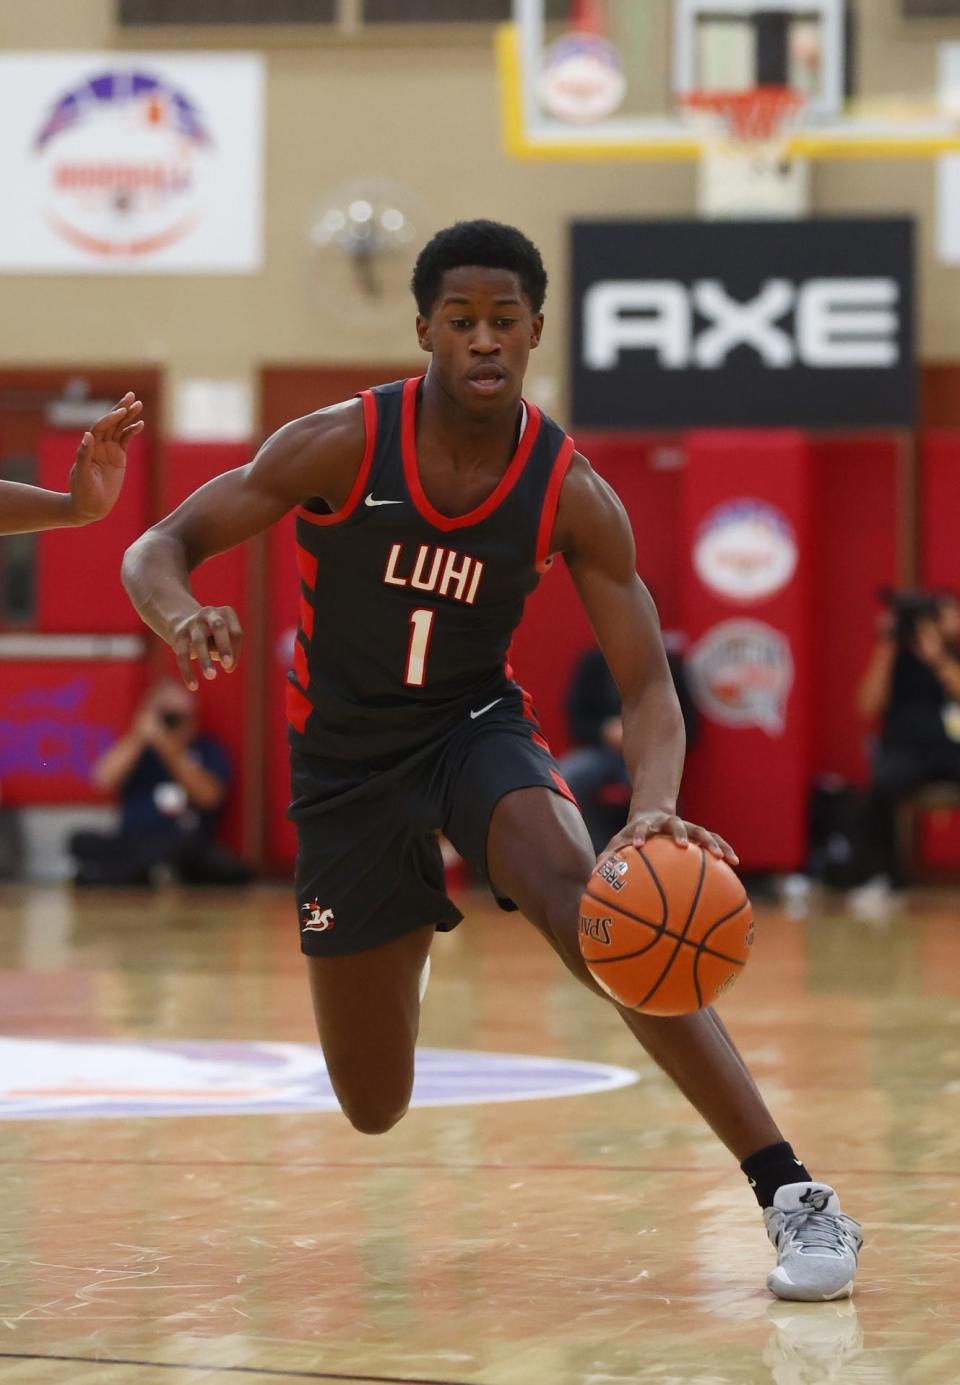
[770, 1168]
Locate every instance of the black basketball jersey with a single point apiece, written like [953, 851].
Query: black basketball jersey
[406, 614]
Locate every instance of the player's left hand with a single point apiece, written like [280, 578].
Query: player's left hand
[661, 824]
[96, 478]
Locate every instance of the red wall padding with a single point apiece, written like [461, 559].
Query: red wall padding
[940, 510]
[854, 537]
[58, 716]
[853, 553]
[749, 781]
[224, 581]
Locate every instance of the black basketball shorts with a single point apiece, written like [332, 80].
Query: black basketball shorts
[369, 867]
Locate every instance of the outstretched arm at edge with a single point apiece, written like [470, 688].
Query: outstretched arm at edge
[96, 478]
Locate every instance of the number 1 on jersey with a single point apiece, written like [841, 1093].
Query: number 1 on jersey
[421, 627]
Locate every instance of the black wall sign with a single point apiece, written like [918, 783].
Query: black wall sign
[762, 323]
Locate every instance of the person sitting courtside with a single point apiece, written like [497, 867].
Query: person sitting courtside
[912, 688]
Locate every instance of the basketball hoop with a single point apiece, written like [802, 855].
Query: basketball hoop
[757, 116]
[746, 162]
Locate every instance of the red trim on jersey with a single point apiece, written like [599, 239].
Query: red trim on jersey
[306, 566]
[528, 711]
[564, 787]
[353, 499]
[300, 664]
[408, 447]
[551, 501]
[306, 617]
[299, 707]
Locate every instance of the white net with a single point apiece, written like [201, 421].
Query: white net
[746, 168]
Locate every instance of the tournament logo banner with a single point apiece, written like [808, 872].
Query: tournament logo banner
[741, 673]
[131, 162]
[745, 550]
[756, 323]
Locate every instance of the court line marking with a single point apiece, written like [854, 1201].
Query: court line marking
[428, 1166]
[103, 1361]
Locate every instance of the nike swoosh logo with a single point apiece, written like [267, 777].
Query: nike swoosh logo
[474, 715]
[371, 502]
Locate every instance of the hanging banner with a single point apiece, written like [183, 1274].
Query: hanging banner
[754, 323]
[131, 163]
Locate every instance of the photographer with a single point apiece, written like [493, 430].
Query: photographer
[172, 783]
[912, 685]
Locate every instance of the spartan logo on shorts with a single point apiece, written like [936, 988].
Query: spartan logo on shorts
[613, 872]
[318, 920]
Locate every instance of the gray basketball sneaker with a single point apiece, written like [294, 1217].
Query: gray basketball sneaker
[817, 1246]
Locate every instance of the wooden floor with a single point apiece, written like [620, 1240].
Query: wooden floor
[582, 1239]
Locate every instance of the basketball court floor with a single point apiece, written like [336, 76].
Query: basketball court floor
[554, 1218]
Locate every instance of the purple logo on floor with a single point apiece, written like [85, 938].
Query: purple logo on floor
[46, 1079]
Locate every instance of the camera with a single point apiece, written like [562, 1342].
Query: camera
[172, 720]
[909, 608]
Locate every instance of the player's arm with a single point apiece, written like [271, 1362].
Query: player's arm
[314, 456]
[96, 478]
[594, 535]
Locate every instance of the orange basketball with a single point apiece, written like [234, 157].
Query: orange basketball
[665, 929]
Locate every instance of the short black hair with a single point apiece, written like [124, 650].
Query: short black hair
[488, 243]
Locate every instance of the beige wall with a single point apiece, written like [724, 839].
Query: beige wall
[428, 117]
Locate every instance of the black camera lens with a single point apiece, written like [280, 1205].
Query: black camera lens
[172, 720]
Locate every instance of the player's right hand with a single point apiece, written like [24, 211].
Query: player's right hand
[210, 635]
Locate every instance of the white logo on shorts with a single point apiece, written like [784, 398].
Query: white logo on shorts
[318, 920]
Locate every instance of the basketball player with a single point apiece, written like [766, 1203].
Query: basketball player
[96, 478]
[426, 511]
